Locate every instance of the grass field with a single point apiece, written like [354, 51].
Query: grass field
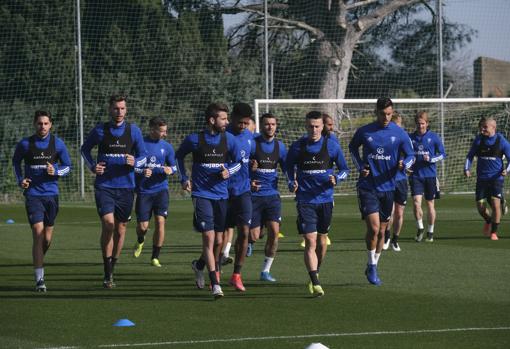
[453, 293]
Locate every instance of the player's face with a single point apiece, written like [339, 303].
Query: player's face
[42, 126]
[314, 128]
[221, 122]
[252, 127]
[159, 132]
[398, 121]
[488, 128]
[118, 111]
[329, 124]
[421, 126]
[269, 127]
[384, 116]
[243, 123]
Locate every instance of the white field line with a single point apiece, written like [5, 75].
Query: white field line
[324, 335]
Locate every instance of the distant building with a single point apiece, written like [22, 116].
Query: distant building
[492, 77]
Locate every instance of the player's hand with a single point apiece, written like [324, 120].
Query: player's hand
[25, 183]
[503, 173]
[130, 160]
[426, 157]
[293, 187]
[100, 168]
[467, 173]
[255, 185]
[409, 171]
[365, 171]
[147, 172]
[168, 170]
[401, 165]
[50, 169]
[254, 165]
[332, 180]
[224, 172]
[186, 186]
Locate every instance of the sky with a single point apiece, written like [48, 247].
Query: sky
[491, 18]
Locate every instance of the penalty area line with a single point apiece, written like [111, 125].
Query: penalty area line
[324, 335]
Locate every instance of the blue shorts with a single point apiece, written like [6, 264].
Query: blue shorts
[41, 209]
[314, 217]
[118, 201]
[148, 203]
[487, 188]
[239, 210]
[424, 186]
[401, 192]
[372, 201]
[265, 209]
[209, 214]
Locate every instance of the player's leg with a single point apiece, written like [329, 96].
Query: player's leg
[387, 233]
[158, 239]
[124, 199]
[496, 195]
[398, 222]
[143, 210]
[38, 255]
[482, 197]
[431, 218]
[325, 215]
[270, 250]
[417, 191]
[227, 244]
[160, 208]
[243, 220]
[372, 241]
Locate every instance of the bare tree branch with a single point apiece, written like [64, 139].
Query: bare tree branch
[302, 25]
[359, 4]
[374, 18]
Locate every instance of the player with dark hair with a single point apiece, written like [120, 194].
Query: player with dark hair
[152, 188]
[266, 153]
[382, 143]
[240, 205]
[45, 159]
[489, 147]
[216, 157]
[310, 175]
[120, 150]
[428, 150]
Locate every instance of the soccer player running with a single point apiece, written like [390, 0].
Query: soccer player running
[382, 143]
[489, 147]
[400, 200]
[239, 203]
[266, 153]
[46, 159]
[120, 149]
[310, 175]
[152, 188]
[212, 150]
[428, 150]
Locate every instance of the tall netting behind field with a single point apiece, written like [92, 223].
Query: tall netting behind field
[459, 129]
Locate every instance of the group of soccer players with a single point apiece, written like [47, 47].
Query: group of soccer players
[233, 183]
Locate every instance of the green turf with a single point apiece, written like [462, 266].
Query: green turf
[460, 281]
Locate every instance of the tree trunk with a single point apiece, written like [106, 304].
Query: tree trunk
[336, 59]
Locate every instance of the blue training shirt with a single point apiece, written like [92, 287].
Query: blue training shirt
[205, 177]
[267, 177]
[427, 144]
[314, 186]
[488, 166]
[160, 153]
[42, 183]
[117, 173]
[239, 182]
[382, 147]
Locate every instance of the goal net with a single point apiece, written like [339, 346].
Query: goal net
[454, 120]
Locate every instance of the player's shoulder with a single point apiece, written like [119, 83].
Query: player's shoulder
[59, 142]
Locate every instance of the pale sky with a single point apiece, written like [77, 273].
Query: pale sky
[491, 18]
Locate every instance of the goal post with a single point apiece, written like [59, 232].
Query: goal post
[455, 120]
